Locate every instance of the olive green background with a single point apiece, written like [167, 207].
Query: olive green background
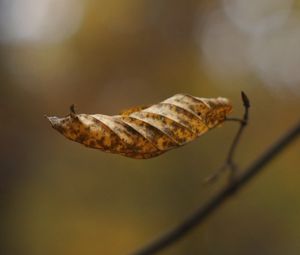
[58, 197]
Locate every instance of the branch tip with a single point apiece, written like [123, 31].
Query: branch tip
[245, 99]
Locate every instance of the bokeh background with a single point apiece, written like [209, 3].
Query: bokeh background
[58, 197]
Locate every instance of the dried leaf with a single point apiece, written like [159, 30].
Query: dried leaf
[145, 132]
[133, 109]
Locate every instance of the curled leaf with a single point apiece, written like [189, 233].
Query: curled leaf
[145, 132]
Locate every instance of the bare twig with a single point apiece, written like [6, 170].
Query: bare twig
[229, 162]
[201, 214]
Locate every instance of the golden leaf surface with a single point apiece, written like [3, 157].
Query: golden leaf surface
[148, 131]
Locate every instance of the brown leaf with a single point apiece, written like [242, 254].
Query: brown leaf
[148, 131]
[133, 109]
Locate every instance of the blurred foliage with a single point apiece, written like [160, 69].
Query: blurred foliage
[60, 198]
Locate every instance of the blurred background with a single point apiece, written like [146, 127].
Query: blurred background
[58, 197]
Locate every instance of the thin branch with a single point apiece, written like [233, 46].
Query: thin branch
[229, 162]
[202, 213]
[243, 124]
